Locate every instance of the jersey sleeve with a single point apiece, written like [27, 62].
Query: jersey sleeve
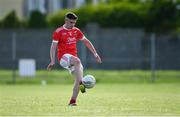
[80, 35]
[55, 37]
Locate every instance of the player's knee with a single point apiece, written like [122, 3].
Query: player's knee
[78, 61]
[75, 61]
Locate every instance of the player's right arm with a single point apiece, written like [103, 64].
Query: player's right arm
[54, 44]
[52, 55]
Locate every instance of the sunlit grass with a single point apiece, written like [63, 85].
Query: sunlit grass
[102, 100]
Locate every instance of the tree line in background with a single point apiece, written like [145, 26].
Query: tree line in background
[159, 16]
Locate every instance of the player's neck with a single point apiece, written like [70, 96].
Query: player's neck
[67, 27]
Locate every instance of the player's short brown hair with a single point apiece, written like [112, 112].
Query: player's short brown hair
[71, 16]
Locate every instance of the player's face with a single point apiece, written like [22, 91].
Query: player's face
[70, 23]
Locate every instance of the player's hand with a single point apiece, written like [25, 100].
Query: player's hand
[50, 66]
[98, 59]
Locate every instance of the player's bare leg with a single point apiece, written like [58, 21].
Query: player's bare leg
[78, 74]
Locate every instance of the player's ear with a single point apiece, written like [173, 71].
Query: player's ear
[65, 20]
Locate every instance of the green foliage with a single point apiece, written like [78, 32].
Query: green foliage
[85, 15]
[88, 1]
[119, 15]
[56, 19]
[10, 21]
[37, 20]
[118, 1]
[159, 16]
[162, 16]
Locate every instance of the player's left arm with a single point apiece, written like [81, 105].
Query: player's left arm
[90, 46]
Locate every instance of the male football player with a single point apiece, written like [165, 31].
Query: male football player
[65, 39]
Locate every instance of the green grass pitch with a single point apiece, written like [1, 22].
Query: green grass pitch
[103, 100]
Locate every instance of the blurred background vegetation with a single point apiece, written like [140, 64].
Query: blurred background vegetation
[152, 15]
